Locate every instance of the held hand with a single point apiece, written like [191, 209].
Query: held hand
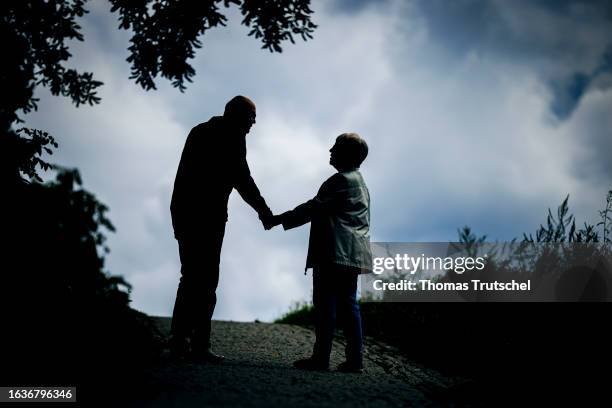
[271, 221]
[265, 217]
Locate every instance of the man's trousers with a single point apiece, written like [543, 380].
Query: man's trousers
[196, 297]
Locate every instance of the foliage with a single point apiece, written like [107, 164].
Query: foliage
[67, 314]
[606, 219]
[558, 229]
[470, 241]
[32, 149]
[299, 313]
[166, 33]
[563, 228]
[277, 21]
[36, 33]
[568, 261]
[165, 36]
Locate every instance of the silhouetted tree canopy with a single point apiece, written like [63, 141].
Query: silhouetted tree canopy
[35, 35]
[166, 33]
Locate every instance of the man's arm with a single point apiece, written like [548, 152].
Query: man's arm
[249, 192]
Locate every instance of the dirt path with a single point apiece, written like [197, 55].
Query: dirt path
[258, 372]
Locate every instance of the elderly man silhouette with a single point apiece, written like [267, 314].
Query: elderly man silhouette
[338, 251]
[212, 164]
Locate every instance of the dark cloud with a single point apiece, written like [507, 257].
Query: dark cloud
[568, 91]
[459, 26]
[606, 62]
[593, 129]
[353, 6]
[567, 42]
[529, 28]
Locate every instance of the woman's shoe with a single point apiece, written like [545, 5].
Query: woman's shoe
[348, 367]
[311, 364]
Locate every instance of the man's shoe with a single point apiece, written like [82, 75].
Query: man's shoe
[348, 367]
[206, 356]
[311, 364]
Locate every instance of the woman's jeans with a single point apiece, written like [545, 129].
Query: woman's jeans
[335, 293]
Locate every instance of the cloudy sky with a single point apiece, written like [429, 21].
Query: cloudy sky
[479, 113]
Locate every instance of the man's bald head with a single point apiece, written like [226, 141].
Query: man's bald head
[239, 105]
[240, 113]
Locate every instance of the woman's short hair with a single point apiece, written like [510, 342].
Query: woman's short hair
[355, 149]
